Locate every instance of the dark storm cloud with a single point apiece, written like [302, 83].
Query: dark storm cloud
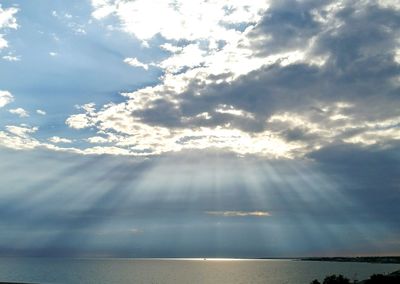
[287, 25]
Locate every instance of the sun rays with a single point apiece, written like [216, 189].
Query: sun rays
[124, 205]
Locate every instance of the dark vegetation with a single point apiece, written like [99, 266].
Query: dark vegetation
[370, 259]
[392, 278]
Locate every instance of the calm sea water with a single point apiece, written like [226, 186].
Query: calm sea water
[48, 270]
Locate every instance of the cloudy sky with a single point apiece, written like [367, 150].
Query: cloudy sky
[177, 128]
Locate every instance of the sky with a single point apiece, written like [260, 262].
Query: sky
[210, 128]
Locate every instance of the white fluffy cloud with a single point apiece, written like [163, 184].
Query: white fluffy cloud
[136, 63]
[19, 111]
[183, 19]
[18, 137]
[79, 121]
[7, 18]
[189, 56]
[7, 21]
[5, 98]
[22, 130]
[57, 139]
[214, 30]
[97, 140]
[3, 42]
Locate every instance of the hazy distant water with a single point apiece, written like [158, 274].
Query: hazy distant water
[46, 270]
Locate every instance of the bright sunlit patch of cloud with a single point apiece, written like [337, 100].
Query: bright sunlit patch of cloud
[7, 18]
[138, 138]
[7, 21]
[231, 110]
[136, 63]
[189, 56]
[110, 150]
[20, 112]
[239, 213]
[57, 139]
[397, 55]
[22, 130]
[3, 42]
[5, 98]
[13, 141]
[392, 4]
[103, 8]
[41, 112]
[20, 137]
[97, 140]
[186, 19]
[338, 117]
[78, 121]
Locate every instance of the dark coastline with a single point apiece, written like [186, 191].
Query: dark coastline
[368, 259]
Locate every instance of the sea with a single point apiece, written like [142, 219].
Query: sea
[111, 270]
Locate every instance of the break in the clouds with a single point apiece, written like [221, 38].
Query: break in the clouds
[301, 87]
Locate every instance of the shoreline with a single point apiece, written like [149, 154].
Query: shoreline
[362, 259]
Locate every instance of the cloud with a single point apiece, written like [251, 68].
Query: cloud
[78, 121]
[189, 56]
[19, 137]
[284, 86]
[11, 58]
[278, 79]
[22, 130]
[7, 18]
[41, 112]
[56, 139]
[97, 140]
[136, 63]
[186, 20]
[5, 98]
[20, 112]
[239, 213]
[3, 42]
[7, 21]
